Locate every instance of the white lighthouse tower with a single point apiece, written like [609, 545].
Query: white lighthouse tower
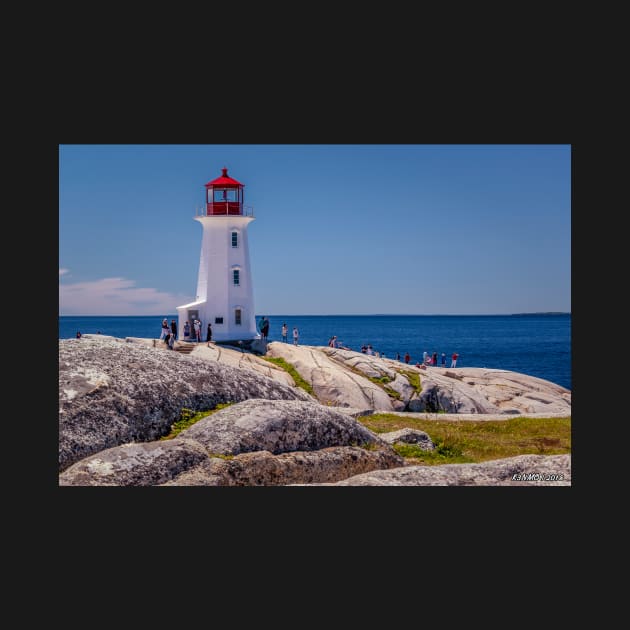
[225, 294]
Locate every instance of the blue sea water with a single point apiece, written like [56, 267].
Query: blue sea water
[534, 344]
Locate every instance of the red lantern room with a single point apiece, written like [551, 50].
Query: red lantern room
[224, 195]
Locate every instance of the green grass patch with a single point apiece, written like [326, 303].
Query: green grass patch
[460, 441]
[188, 417]
[443, 454]
[383, 379]
[392, 393]
[413, 378]
[287, 367]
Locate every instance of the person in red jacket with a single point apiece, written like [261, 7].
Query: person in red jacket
[454, 359]
[407, 357]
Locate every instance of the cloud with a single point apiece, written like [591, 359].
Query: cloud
[63, 271]
[115, 296]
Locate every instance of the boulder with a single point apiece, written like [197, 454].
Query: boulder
[278, 426]
[409, 436]
[333, 384]
[135, 464]
[256, 442]
[112, 392]
[522, 470]
[242, 360]
[347, 378]
[262, 468]
[118, 397]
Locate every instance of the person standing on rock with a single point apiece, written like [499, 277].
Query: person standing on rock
[173, 329]
[285, 332]
[434, 359]
[165, 329]
[209, 334]
[296, 336]
[197, 327]
[454, 359]
[265, 328]
[443, 360]
[407, 357]
[186, 331]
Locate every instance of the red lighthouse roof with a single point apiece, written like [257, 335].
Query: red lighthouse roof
[224, 180]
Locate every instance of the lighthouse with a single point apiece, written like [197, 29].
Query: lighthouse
[225, 294]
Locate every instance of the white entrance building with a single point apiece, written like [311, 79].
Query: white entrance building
[225, 295]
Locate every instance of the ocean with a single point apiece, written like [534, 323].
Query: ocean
[534, 344]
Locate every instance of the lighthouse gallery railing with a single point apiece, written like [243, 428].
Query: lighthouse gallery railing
[248, 211]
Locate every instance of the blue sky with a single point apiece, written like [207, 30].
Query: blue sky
[339, 229]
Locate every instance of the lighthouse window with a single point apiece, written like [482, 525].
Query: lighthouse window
[237, 316]
[234, 239]
[237, 276]
[224, 194]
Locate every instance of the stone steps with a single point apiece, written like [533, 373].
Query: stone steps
[184, 347]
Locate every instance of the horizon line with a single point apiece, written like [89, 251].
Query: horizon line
[360, 314]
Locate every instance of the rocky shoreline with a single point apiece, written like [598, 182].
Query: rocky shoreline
[119, 397]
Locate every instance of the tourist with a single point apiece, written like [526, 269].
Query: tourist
[398, 356]
[369, 350]
[78, 334]
[165, 329]
[296, 336]
[186, 331]
[171, 341]
[209, 334]
[434, 359]
[443, 360]
[197, 327]
[265, 329]
[174, 328]
[454, 359]
[424, 357]
[407, 357]
[285, 331]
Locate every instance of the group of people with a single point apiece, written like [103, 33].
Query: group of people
[263, 327]
[367, 349]
[334, 342]
[431, 359]
[169, 333]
